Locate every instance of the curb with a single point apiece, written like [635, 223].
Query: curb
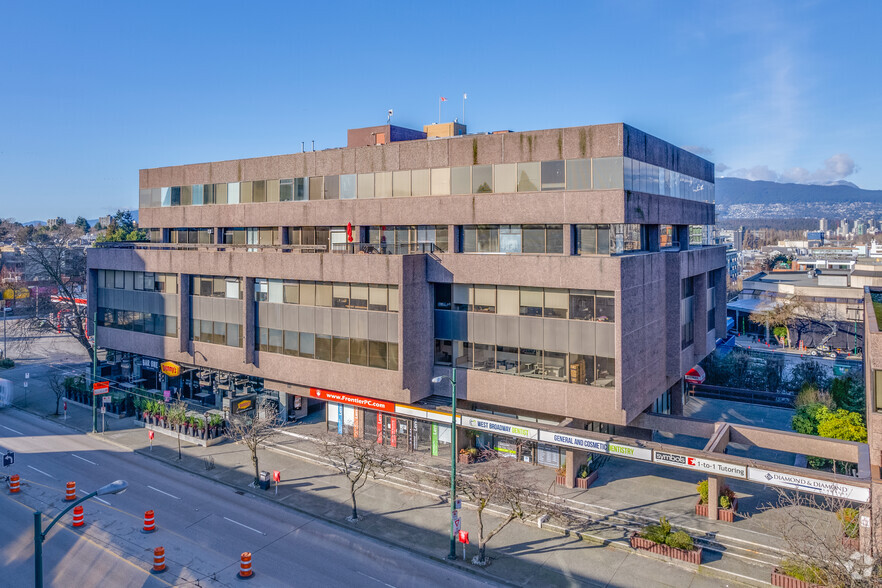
[477, 572]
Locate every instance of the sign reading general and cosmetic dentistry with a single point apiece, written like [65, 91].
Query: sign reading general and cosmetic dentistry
[500, 428]
[812, 485]
[352, 399]
[573, 441]
[700, 464]
[629, 451]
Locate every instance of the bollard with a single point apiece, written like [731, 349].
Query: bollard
[245, 567]
[149, 524]
[14, 484]
[71, 492]
[158, 560]
[78, 516]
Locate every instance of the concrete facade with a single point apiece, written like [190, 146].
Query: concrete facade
[646, 283]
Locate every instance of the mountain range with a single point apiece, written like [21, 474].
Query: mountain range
[737, 198]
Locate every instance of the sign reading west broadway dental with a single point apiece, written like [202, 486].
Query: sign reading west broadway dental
[812, 485]
[573, 441]
[697, 463]
[500, 428]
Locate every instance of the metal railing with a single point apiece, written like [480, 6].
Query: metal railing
[351, 248]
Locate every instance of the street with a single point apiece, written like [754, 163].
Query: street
[203, 526]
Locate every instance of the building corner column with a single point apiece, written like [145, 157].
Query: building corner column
[248, 320]
[713, 497]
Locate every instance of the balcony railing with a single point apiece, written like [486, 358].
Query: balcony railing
[385, 248]
[365, 248]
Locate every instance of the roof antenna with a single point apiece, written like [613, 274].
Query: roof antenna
[389, 117]
[313, 144]
[302, 147]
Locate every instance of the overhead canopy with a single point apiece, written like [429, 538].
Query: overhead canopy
[749, 305]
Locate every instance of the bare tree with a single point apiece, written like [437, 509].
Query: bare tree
[254, 430]
[177, 416]
[53, 259]
[821, 536]
[358, 459]
[56, 384]
[507, 485]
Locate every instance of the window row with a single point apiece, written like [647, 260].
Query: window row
[376, 354]
[203, 236]
[652, 179]
[604, 173]
[138, 322]
[586, 305]
[530, 363]
[216, 287]
[608, 239]
[512, 239]
[216, 332]
[145, 281]
[328, 294]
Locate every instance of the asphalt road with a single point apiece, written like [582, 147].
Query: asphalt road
[203, 526]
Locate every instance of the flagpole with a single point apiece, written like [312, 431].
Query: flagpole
[463, 107]
[439, 110]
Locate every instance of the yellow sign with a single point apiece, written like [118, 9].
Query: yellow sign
[243, 405]
[170, 369]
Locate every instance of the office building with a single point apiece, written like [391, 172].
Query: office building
[562, 273]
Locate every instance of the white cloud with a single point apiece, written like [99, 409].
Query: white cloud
[837, 167]
[699, 150]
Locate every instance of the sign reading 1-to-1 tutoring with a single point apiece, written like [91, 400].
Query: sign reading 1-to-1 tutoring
[700, 464]
[500, 428]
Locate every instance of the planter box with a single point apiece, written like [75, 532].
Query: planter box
[585, 483]
[723, 514]
[465, 459]
[785, 581]
[561, 480]
[693, 557]
[188, 438]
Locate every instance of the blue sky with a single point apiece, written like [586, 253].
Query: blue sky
[92, 92]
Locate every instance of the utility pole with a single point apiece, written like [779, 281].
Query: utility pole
[94, 370]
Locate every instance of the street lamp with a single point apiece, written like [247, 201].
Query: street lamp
[452, 380]
[40, 535]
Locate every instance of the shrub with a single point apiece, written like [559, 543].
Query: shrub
[725, 502]
[679, 540]
[803, 571]
[654, 533]
[6, 363]
[701, 487]
[583, 471]
[849, 518]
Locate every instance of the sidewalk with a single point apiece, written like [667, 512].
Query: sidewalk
[417, 517]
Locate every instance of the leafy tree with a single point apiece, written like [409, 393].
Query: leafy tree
[82, 224]
[808, 373]
[806, 420]
[841, 424]
[122, 228]
[848, 393]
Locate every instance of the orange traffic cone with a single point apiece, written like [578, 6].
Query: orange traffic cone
[71, 492]
[149, 524]
[78, 516]
[158, 560]
[14, 484]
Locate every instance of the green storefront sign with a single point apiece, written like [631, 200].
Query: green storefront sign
[434, 439]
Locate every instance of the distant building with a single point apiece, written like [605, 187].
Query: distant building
[823, 225]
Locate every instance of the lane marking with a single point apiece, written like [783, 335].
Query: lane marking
[83, 458]
[13, 430]
[374, 579]
[246, 526]
[41, 471]
[161, 492]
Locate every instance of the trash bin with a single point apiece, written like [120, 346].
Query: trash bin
[264, 480]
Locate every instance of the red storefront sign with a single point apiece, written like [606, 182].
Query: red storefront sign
[379, 429]
[356, 427]
[352, 399]
[394, 441]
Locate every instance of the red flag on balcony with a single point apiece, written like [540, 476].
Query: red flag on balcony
[349, 232]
